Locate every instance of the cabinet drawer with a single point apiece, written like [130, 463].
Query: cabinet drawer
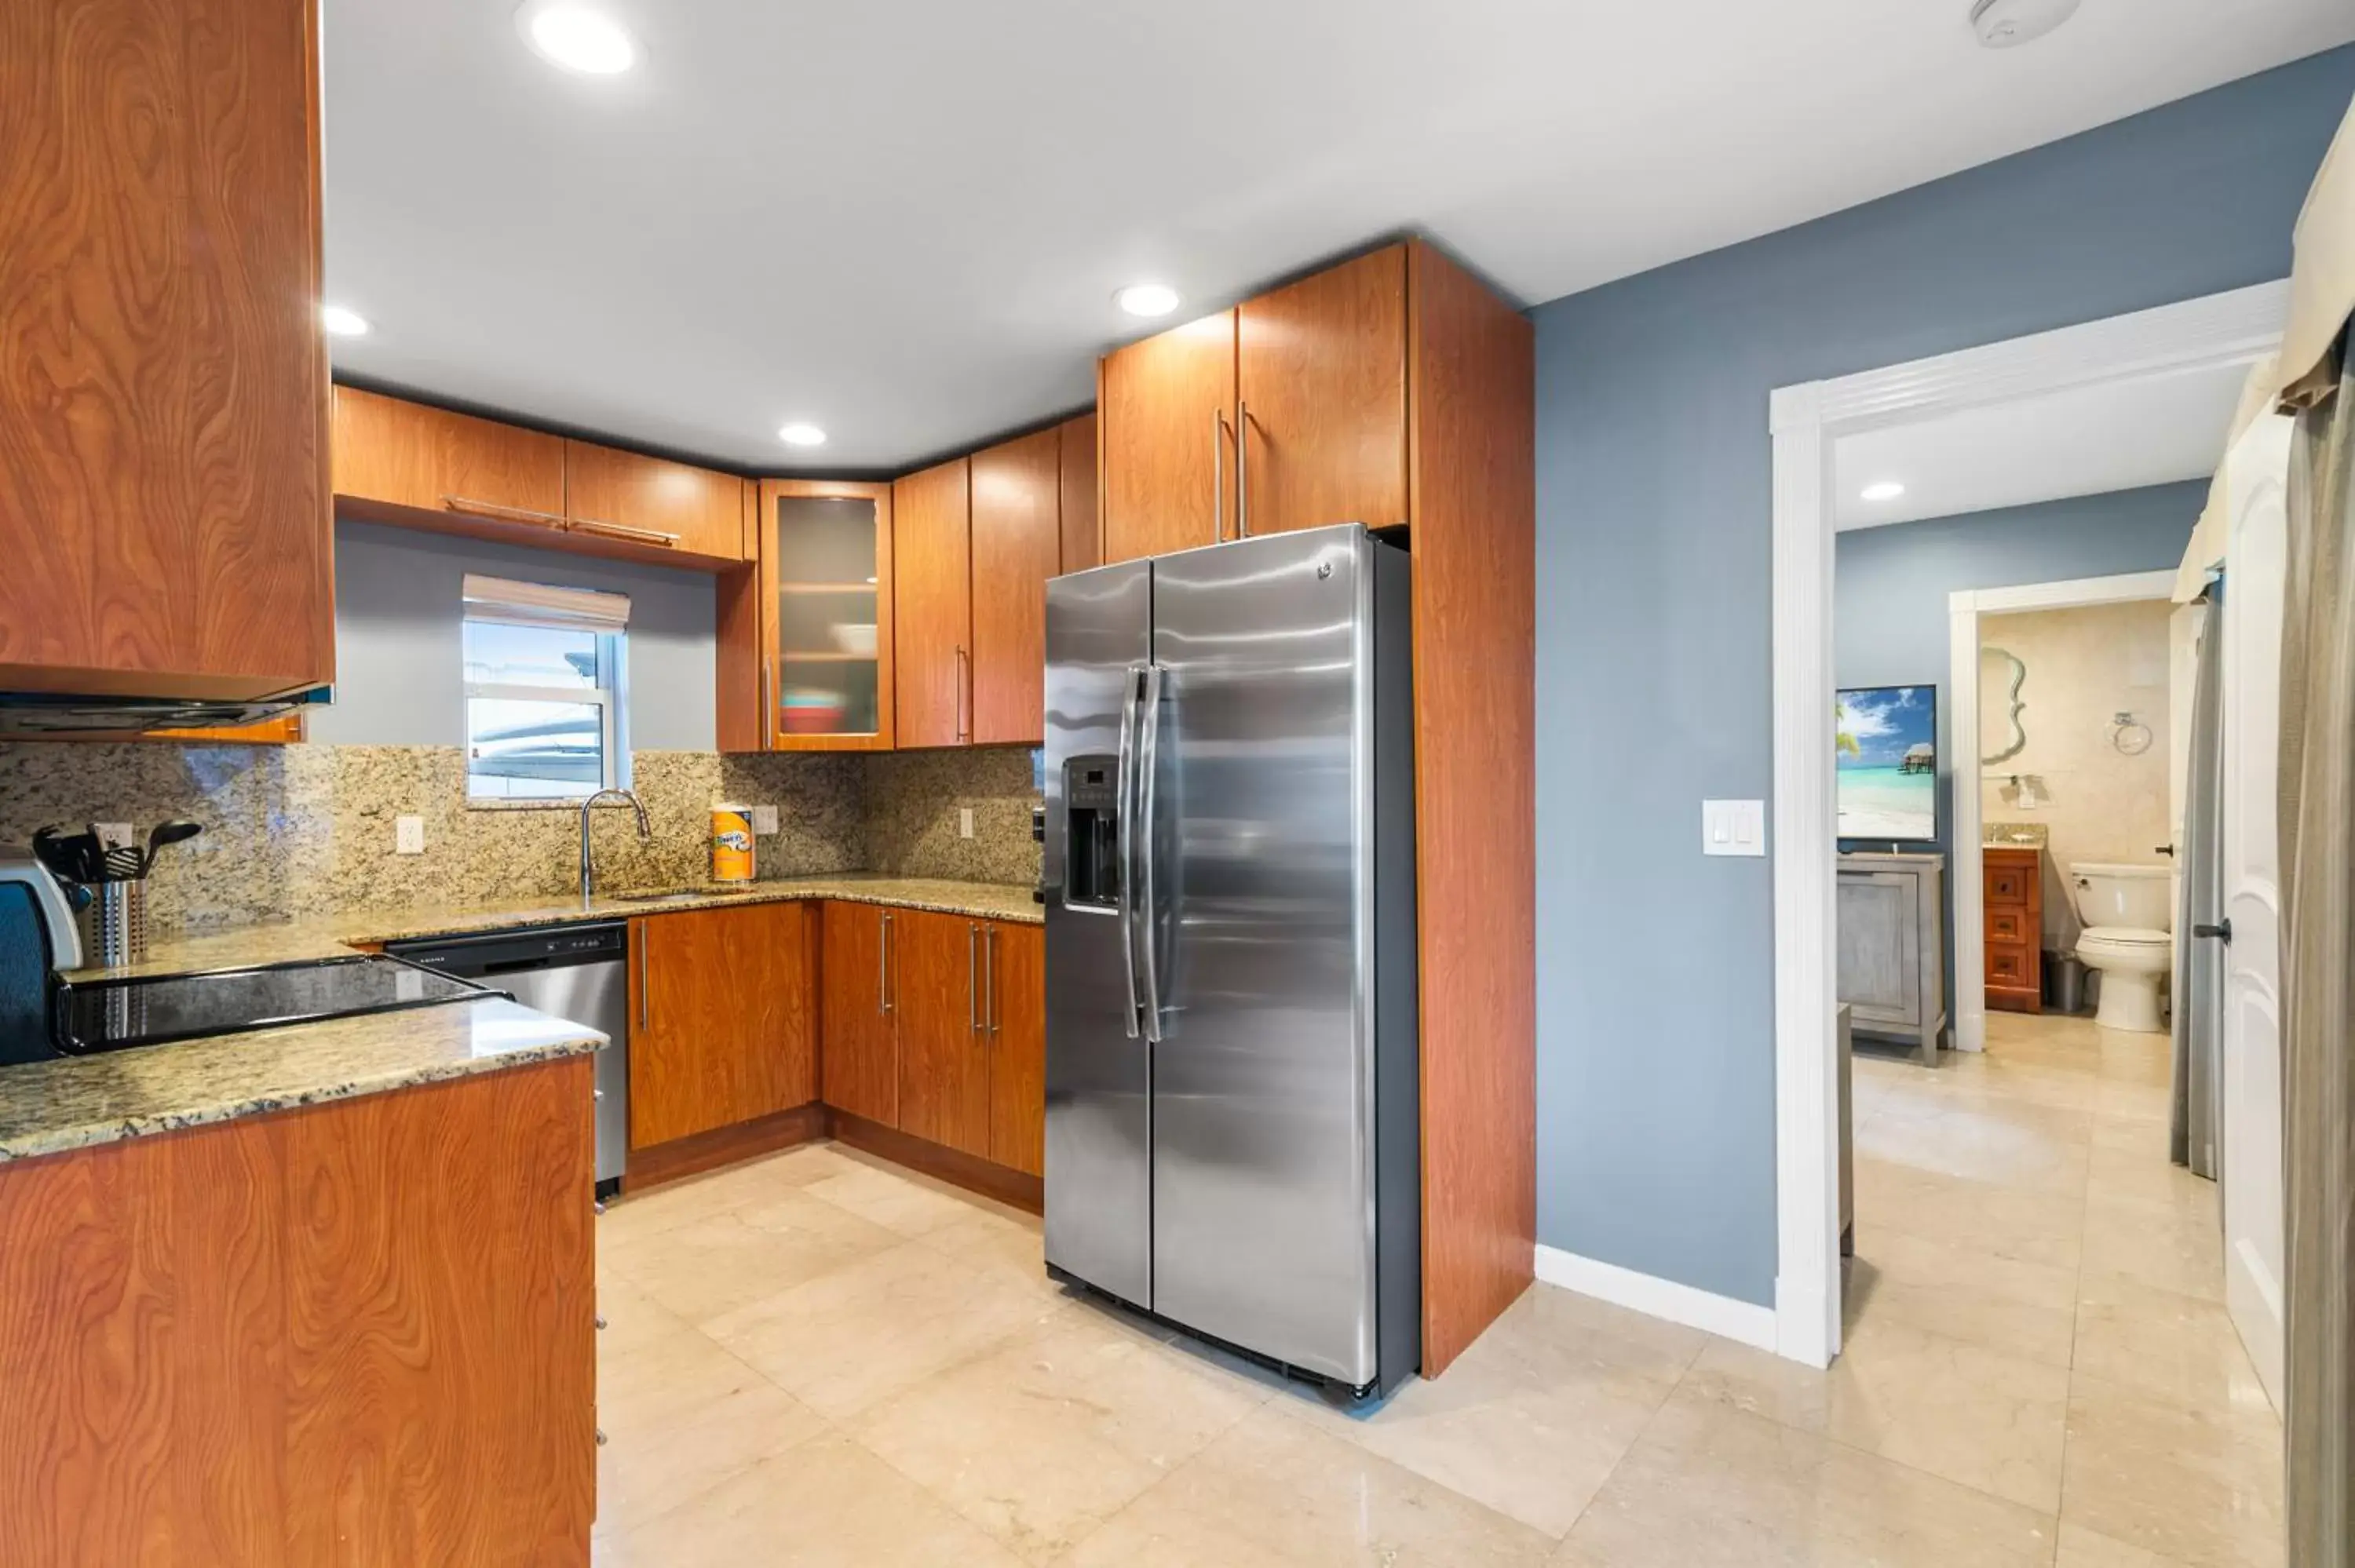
[2011, 965]
[2007, 924]
[2006, 885]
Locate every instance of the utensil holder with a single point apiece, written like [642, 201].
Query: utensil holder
[114, 926]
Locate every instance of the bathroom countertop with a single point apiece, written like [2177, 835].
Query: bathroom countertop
[78, 1102]
[332, 936]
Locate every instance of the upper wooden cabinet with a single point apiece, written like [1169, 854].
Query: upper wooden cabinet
[164, 391]
[932, 589]
[723, 1025]
[647, 500]
[1320, 399]
[420, 467]
[805, 656]
[1167, 412]
[1018, 545]
[1082, 525]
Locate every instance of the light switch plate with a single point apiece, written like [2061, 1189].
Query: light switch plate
[964, 821]
[409, 835]
[1734, 827]
[765, 819]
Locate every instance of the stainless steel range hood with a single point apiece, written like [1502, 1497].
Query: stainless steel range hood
[37, 715]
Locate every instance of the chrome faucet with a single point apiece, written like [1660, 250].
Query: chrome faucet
[587, 868]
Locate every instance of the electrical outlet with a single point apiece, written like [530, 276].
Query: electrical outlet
[964, 821]
[409, 835]
[765, 819]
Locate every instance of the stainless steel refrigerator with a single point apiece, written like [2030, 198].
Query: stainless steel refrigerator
[1231, 1127]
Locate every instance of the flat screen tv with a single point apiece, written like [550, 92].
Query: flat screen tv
[1887, 763]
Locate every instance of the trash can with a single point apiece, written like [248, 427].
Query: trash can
[2064, 982]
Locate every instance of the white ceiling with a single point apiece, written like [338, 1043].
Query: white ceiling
[2154, 430]
[903, 221]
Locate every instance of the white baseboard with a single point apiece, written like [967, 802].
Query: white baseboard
[1744, 1321]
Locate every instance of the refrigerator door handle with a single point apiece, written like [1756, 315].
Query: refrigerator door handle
[1148, 924]
[1124, 835]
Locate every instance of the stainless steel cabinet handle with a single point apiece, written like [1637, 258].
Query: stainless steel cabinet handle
[644, 1002]
[972, 985]
[1148, 755]
[965, 694]
[989, 971]
[623, 531]
[492, 510]
[1217, 475]
[883, 967]
[768, 702]
[1124, 835]
[1242, 469]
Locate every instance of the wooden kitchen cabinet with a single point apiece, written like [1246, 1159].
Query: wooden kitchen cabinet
[1166, 440]
[1082, 526]
[932, 548]
[419, 466]
[937, 963]
[860, 1059]
[722, 1027]
[1018, 545]
[1015, 963]
[805, 657]
[1320, 399]
[163, 509]
[670, 506]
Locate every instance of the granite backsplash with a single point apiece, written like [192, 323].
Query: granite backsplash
[309, 829]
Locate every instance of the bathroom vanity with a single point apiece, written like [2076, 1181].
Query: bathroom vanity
[1891, 950]
[2012, 883]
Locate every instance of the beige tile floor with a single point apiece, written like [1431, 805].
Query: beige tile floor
[819, 1359]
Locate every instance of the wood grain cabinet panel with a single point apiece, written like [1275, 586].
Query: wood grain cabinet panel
[723, 1026]
[936, 963]
[635, 499]
[2012, 882]
[356, 1333]
[1082, 525]
[1320, 388]
[164, 512]
[1017, 546]
[1016, 1024]
[1166, 407]
[858, 1059]
[931, 553]
[440, 470]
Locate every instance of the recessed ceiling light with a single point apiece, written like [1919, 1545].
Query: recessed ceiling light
[800, 435]
[343, 323]
[1148, 299]
[577, 38]
[1887, 490]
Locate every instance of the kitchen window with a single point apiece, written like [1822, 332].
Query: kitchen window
[544, 685]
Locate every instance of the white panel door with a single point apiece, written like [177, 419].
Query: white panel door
[2256, 470]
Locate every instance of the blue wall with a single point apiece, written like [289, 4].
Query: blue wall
[399, 678]
[1656, 1045]
[1890, 589]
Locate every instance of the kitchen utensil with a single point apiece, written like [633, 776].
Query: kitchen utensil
[122, 865]
[74, 856]
[178, 830]
[114, 926]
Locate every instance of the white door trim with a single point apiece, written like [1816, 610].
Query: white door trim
[1806, 421]
[1964, 608]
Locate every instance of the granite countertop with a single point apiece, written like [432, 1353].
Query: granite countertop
[333, 936]
[50, 1108]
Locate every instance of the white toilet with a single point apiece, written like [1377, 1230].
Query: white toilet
[2129, 915]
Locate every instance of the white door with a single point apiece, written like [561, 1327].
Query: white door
[2255, 472]
[2184, 628]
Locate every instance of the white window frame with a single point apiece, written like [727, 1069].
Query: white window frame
[609, 696]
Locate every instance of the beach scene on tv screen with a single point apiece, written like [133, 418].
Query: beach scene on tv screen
[1888, 764]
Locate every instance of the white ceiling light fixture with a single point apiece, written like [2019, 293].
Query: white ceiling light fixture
[341, 321]
[1885, 490]
[1148, 299]
[577, 37]
[798, 434]
[2008, 23]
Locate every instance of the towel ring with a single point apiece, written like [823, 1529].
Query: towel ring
[2130, 735]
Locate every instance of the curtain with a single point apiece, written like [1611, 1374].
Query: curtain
[2318, 834]
[2194, 1138]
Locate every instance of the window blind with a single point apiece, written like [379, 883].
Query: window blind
[544, 604]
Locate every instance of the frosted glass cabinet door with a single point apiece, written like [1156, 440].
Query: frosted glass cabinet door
[825, 574]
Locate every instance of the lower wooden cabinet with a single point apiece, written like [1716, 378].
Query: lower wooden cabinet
[1017, 1025]
[943, 1072]
[859, 1055]
[2013, 890]
[721, 1026]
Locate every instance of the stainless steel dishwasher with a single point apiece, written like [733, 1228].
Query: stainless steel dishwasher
[580, 973]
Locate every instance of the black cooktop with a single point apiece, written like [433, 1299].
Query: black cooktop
[116, 1015]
